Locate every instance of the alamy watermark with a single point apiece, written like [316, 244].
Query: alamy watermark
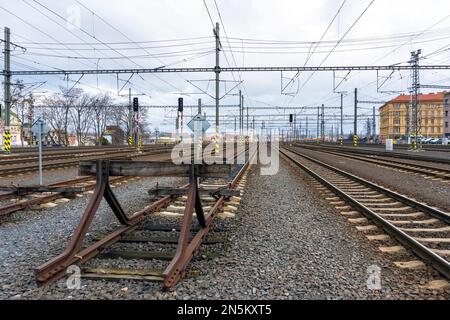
[74, 280]
[73, 21]
[374, 277]
[264, 151]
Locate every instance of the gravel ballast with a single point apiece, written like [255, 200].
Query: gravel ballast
[287, 242]
[434, 193]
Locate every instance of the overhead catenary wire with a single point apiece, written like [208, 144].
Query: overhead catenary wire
[40, 30]
[129, 39]
[97, 39]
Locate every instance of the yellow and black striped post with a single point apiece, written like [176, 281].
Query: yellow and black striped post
[7, 141]
[217, 148]
[355, 140]
[130, 140]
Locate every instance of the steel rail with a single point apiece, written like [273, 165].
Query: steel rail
[416, 168]
[422, 251]
[387, 154]
[74, 162]
[71, 182]
[426, 147]
[185, 250]
[73, 254]
[9, 209]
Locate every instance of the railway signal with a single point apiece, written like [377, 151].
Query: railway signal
[180, 104]
[136, 104]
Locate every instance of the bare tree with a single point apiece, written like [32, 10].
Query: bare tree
[81, 116]
[22, 105]
[101, 112]
[58, 110]
[120, 117]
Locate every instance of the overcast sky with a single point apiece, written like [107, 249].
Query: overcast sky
[56, 37]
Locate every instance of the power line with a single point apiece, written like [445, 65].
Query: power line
[38, 29]
[345, 34]
[209, 14]
[100, 41]
[163, 54]
[128, 38]
[318, 43]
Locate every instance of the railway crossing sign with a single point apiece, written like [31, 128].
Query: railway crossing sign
[199, 117]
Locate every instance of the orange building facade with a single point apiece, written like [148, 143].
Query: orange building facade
[394, 116]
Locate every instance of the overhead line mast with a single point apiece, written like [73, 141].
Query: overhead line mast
[217, 72]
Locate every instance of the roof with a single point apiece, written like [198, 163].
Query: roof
[429, 97]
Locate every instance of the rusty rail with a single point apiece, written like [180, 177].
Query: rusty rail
[73, 253]
[185, 250]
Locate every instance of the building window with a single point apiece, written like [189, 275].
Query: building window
[446, 124]
[446, 114]
[396, 106]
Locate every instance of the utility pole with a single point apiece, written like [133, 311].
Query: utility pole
[318, 125]
[217, 71]
[295, 127]
[247, 112]
[323, 123]
[342, 115]
[307, 128]
[7, 89]
[241, 116]
[408, 120]
[374, 125]
[355, 121]
[130, 118]
[177, 127]
[415, 85]
[199, 106]
[300, 130]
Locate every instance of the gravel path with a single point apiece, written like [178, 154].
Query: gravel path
[434, 193]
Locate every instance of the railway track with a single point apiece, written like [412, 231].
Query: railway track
[24, 165]
[423, 229]
[31, 200]
[439, 174]
[174, 237]
[426, 147]
[376, 152]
